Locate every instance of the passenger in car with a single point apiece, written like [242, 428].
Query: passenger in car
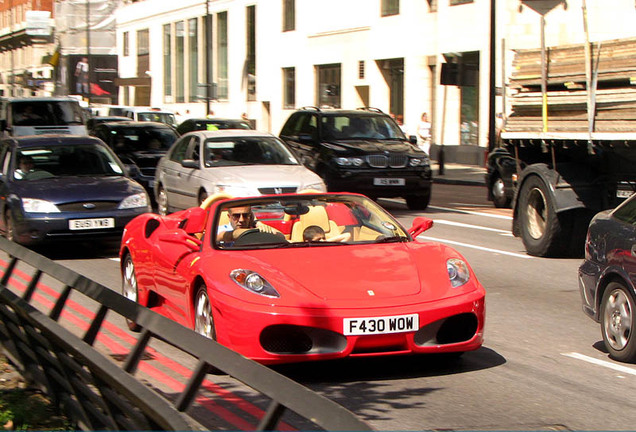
[313, 233]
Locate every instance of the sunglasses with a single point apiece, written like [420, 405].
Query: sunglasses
[238, 215]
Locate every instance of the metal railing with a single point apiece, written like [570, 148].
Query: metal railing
[97, 393]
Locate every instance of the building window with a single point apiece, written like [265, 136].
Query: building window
[329, 85]
[251, 53]
[222, 55]
[390, 7]
[289, 15]
[179, 63]
[193, 58]
[289, 88]
[167, 61]
[432, 5]
[458, 2]
[126, 43]
[143, 52]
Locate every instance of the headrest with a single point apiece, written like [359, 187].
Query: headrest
[194, 221]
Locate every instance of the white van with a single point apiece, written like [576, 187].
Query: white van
[41, 115]
[151, 114]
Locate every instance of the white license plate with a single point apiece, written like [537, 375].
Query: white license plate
[624, 193]
[380, 325]
[382, 181]
[84, 224]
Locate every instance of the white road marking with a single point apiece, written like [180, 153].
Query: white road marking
[495, 216]
[512, 254]
[603, 363]
[463, 225]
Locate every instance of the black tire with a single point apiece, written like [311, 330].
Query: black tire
[163, 207]
[9, 228]
[618, 322]
[129, 288]
[418, 202]
[203, 319]
[202, 196]
[543, 231]
[498, 193]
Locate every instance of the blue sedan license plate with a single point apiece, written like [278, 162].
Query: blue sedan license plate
[84, 224]
[380, 325]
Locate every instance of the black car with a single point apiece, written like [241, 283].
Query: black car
[362, 151]
[139, 145]
[65, 187]
[92, 122]
[607, 278]
[193, 124]
[501, 177]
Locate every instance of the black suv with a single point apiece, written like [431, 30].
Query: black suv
[362, 151]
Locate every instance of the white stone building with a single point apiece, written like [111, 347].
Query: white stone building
[268, 57]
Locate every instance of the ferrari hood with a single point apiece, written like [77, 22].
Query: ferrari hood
[344, 275]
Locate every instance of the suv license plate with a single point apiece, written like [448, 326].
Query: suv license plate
[84, 224]
[380, 325]
[383, 181]
[623, 193]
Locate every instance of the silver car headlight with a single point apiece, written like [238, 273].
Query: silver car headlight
[134, 201]
[423, 161]
[253, 282]
[236, 191]
[34, 205]
[457, 272]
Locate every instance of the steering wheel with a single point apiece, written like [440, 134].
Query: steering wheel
[214, 198]
[240, 233]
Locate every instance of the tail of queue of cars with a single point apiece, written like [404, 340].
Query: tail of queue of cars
[65, 187]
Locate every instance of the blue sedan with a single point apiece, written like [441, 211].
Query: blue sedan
[607, 278]
[61, 187]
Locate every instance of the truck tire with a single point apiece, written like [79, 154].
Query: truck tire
[543, 231]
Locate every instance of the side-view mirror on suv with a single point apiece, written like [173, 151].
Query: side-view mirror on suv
[363, 151]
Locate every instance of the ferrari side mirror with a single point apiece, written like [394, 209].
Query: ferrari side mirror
[420, 224]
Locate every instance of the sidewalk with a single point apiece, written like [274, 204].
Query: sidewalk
[459, 174]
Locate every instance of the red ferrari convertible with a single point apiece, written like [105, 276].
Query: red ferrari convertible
[300, 277]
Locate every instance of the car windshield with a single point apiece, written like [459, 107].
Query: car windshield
[222, 124]
[235, 151]
[46, 113]
[352, 126]
[298, 221]
[130, 140]
[65, 160]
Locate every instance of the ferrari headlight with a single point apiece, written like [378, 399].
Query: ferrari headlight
[134, 201]
[253, 282]
[457, 272]
[33, 205]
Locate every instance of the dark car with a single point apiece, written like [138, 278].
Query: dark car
[60, 187]
[92, 122]
[501, 176]
[193, 124]
[607, 278]
[139, 145]
[362, 151]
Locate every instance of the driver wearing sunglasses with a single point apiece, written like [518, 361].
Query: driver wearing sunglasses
[241, 218]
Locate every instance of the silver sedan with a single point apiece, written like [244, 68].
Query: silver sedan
[237, 162]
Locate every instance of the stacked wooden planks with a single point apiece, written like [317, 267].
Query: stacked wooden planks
[615, 65]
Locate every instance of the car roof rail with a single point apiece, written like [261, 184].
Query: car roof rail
[310, 107]
[372, 109]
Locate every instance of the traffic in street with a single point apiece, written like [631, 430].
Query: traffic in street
[542, 365]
